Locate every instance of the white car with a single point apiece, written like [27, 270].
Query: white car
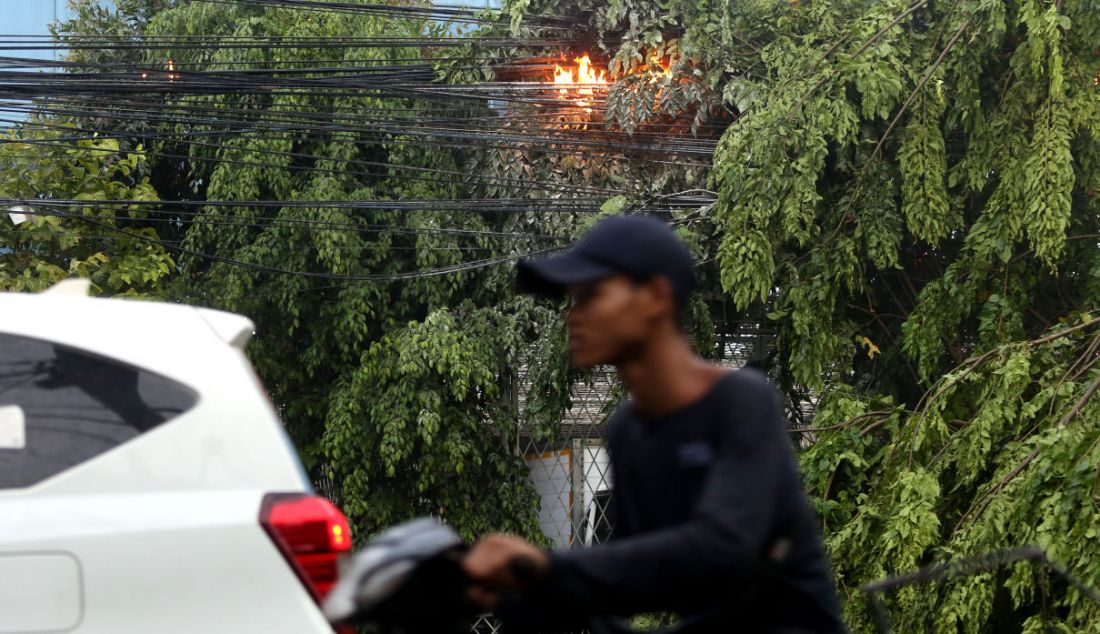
[146, 483]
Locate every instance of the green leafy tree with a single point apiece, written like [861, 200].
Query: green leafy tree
[397, 384]
[106, 38]
[390, 338]
[44, 243]
[912, 194]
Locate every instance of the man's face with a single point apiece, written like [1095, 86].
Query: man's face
[608, 319]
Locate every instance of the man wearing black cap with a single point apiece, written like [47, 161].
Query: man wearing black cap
[708, 516]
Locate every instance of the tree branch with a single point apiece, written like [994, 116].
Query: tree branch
[866, 45]
[1063, 333]
[987, 498]
[913, 95]
[1081, 402]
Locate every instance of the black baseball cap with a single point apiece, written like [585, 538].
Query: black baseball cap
[639, 246]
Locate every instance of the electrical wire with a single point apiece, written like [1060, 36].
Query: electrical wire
[393, 277]
[455, 116]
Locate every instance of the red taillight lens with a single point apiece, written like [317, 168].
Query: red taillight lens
[311, 533]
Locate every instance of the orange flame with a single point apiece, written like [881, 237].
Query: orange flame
[659, 66]
[583, 79]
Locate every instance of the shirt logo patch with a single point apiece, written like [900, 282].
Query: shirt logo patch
[695, 454]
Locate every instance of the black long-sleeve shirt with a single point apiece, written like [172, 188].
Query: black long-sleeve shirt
[709, 521]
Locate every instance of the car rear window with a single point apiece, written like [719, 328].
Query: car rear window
[60, 406]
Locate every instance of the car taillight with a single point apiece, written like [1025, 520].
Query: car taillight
[311, 533]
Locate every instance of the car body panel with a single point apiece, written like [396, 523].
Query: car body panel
[162, 532]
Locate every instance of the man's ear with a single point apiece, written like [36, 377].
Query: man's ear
[662, 301]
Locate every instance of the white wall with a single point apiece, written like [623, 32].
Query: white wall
[550, 475]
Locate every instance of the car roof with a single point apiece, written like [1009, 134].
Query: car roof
[175, 340]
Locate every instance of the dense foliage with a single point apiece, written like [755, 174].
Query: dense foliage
[389, 335]
[44, 244]
[912, 191]
[391, 387]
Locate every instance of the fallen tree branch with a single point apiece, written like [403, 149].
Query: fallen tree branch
[1081, 402]
[987, 498]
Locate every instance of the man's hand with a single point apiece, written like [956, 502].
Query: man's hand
[490, 562]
